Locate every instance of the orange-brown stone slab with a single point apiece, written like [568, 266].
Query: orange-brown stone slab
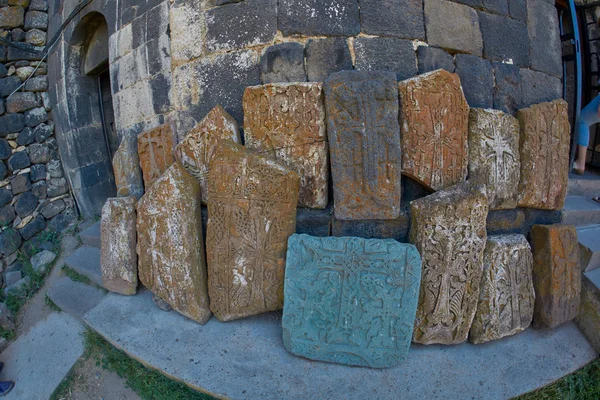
[155, 148]
[364, 141]
[544, 141]
[448, 228]
[286, 121]
[170, 247]
[251, 214]
[118, 258]
[434, 120]
[126, 167]
[197, 149]
[556, 274]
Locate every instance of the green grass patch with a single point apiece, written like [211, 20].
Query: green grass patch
[583, 384]
[52, 305]
[7, 334]
[64, 388]
[77, 277]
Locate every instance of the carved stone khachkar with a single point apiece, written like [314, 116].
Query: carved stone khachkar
[448, 228]
[170, 246]
[545, 135]
[155, 148]
[350, 300]
[506, 298]
[198, 147]
[126, 167]
[118, 258]
[494, 155]
[251, 214]
[287, 122]
[556, 274]
[364, 141]
[434, 119]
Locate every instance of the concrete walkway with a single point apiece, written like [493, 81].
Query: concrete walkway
[39, 360]
[245, 359]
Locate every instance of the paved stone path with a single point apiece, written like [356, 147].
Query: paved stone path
[246, 359]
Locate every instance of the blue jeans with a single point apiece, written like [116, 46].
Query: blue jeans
[587, 118]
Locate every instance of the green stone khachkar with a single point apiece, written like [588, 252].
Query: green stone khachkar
[350, 300]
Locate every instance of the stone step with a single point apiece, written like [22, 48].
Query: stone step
[588, 319]
[587, 185]
[581, 211]
[74, 298]
[91, 235]
[589, 247]
[245, 359]
[86, 261]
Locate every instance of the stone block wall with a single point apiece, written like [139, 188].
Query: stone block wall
[34, 194]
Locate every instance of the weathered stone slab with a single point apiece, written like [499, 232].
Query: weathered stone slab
[126, 168]
[197, 149]
[287, 122]
[544, 144]
[350, 300]
[364, 140]
[506, 298]
[494, 159]
[448, 228]
[556, 274]
[118, 258]
[170, 247]
[434, 120]
[155, 148]
[252, 212]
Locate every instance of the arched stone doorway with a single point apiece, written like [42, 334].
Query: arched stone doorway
[93, 139]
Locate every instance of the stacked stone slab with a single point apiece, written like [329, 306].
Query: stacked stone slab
[434, 120]
[544, 147]
[506, 298]
[170, 244]
[350, 300]
[556, 274]
[252, 212]
[118, 258]
[155, 148]
[197, 149]
[364, 140]
[287, 122]
[448, 228]
[494, 159]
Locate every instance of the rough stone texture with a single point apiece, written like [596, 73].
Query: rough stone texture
[37, 172]
[518, 9]
[5, 149]
[20, 183]
[252, 212]
[502, 222]
[50, 210]
[313, 222]
[26, 204]
[11, 123]
[544, 37]
[494, 159]
[10, 241]
[448, 228]
[283, 62]
[196, 151]
[170, 245]
[452, 26]
[287, 123]
[434, 120]
[126, 169]
[42, 260]
[118, 258]
[556, 274]
[506, 299]
[319, 17]
[588, 319]
[56, 187]
[331, 281]
[155, 149]
[326, 56]
[36, 20]
[11, 17]
[432, 58]
[504, 39]
[364, 140]
[20, 102]
[544, 144]
[35, 116]
[37, 224]
[373, 228]
[39, 153]
[477, 77]
[386, 54]
[537, 87]
[400, 18]
[507, 88]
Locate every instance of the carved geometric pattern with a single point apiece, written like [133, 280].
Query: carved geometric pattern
[364, 141]
[434, 120]
[449, 230]
[350, 300]
[155, 148]
[252, 212]
[545, 135]
[287, 122]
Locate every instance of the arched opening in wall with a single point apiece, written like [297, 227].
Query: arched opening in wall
[93, 136]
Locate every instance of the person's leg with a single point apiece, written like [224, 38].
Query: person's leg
[588, 116]
[6, 387]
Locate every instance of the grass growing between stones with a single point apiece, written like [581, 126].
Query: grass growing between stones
[77, 277]
[52, 305]
[583, 384]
